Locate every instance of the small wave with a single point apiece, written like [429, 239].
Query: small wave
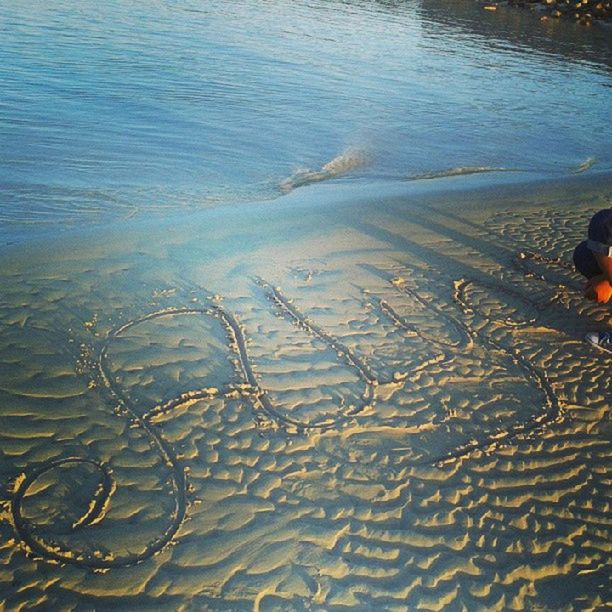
[459, 171]
[349, 160]
[589, 162]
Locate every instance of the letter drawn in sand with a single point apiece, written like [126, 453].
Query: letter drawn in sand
[42, 542]
[513, 310]
[353, 361]
[52, 542]
[509, 317]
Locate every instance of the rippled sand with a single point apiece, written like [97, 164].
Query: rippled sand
[372, 404]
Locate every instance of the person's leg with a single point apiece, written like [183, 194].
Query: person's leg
[585, 262]
[588, 257]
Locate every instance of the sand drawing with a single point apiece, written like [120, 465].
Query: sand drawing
[465, 334]
[95, 513]
[284, 305]
[247, 389]
[552, 410]
[511, 311]
[516, 311]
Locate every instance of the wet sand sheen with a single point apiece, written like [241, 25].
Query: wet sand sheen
[366, 402]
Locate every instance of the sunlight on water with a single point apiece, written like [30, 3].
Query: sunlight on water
[117, 110]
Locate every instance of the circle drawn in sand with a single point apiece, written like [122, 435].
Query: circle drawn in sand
[56, 500]
[65, 495]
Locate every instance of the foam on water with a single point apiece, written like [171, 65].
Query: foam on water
[460, 171]
[584, 166]
[348, 161]
[587, 164]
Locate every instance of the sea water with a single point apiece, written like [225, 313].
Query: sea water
[116, 110]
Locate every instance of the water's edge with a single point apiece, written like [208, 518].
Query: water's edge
[332, 200]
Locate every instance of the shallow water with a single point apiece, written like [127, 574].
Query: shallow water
[120, 110]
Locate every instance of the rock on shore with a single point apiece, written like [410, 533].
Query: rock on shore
[583, 11]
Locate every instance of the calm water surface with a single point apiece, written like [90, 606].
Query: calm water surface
[120, 109]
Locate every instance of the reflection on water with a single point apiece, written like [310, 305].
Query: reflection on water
[514, 30]
[123, 109]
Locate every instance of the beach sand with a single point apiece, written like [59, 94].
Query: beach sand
[335, 400]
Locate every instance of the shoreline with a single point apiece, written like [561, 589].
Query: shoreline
[327, 194]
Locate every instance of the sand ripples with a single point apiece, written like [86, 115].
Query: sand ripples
[376, 433]
[30, 490]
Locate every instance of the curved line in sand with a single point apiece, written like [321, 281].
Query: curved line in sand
[250, 391]
[553, 410]
[552, 406]
[461, 289]
[467, 336]
[95, 513]
[362, 369]
[301, 321]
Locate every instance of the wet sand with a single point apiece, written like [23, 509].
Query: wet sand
[330, 401]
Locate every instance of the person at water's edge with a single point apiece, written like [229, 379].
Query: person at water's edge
[593, 259]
